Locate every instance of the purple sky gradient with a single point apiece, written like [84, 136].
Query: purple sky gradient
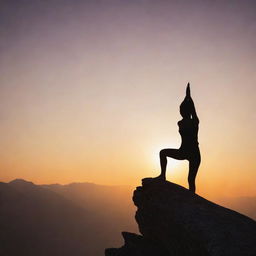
[90, 90]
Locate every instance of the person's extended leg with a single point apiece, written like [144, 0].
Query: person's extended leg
[193, 168]
[164, 153]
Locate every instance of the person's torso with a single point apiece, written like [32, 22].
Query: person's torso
[188, 129]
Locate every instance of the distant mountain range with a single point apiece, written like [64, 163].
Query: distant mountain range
[75, 219]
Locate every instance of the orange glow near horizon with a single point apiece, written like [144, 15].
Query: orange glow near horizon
[92, 96]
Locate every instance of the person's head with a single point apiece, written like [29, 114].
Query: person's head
[185, 110]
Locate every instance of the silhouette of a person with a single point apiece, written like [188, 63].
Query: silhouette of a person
[189, 150]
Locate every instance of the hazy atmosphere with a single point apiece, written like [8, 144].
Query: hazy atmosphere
[90, 90]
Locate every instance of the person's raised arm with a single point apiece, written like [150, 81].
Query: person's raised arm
[192, 106]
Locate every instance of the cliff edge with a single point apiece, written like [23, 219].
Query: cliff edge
[173, 221]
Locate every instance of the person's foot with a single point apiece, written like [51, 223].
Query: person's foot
[147, 181]
[192, 190]
[160, 177]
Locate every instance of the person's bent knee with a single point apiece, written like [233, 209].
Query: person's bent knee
[162, 153]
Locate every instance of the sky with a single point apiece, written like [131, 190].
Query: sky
[90, 90]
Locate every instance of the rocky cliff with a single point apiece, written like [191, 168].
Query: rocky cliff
[173, 221]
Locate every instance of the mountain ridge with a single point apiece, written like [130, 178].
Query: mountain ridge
[36, 220]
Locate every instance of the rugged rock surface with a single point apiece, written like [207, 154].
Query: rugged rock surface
[174, 221]
[137, 245]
